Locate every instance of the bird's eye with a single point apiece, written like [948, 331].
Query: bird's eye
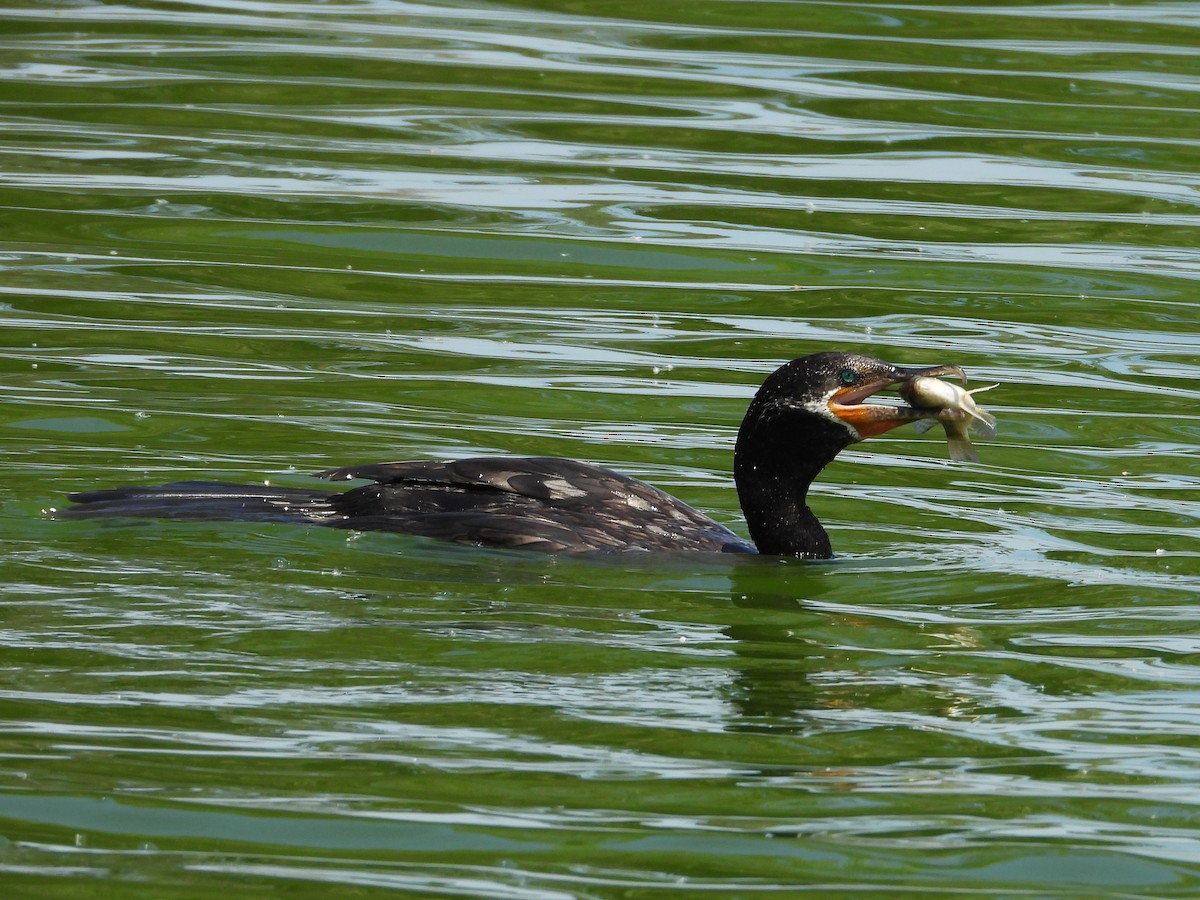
[848, 376]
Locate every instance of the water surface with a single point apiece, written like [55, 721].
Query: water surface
[250, 241]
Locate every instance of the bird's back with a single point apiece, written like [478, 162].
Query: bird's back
[535, 503]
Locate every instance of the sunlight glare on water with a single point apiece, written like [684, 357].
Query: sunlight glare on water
[248, 241]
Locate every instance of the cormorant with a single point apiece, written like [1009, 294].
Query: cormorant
[805, 413]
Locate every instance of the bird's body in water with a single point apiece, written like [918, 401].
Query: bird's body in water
[805, 413]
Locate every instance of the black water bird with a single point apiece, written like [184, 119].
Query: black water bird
[805, 413]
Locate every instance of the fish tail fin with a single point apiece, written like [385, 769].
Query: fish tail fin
[984, 424]
[961, 450]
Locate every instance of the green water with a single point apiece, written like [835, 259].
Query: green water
[252, 240]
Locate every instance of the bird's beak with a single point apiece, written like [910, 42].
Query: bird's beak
[873, 419]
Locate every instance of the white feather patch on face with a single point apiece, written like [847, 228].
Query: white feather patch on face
[820, 407]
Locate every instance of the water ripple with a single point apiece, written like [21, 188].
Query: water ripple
[250, 240]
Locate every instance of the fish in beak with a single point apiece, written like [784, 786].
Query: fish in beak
[868, 420]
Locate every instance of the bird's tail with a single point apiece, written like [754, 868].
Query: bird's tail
[205, 501]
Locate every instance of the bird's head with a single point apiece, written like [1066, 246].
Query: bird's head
[834, 392]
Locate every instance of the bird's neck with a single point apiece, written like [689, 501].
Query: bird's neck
[774, 465]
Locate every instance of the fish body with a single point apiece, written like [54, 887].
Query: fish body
[957, 412]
